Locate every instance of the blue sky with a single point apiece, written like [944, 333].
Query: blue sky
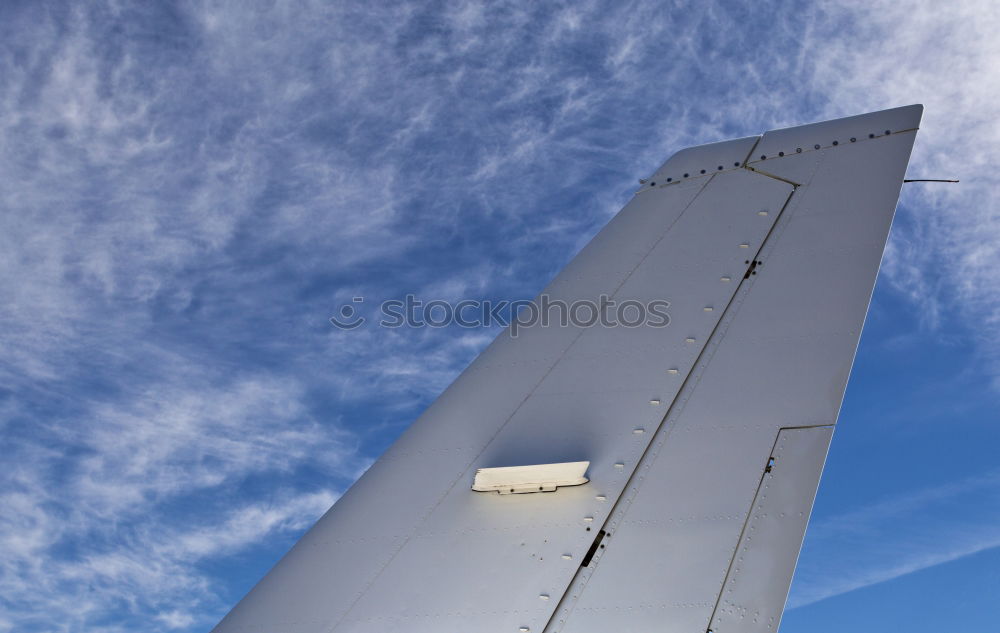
[190, 190]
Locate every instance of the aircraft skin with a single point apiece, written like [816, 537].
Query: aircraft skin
[702, 442]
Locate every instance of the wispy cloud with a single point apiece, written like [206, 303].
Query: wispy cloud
[117, 508]
[869, 53]
[156, 569]
[191, 190]
[898, 536]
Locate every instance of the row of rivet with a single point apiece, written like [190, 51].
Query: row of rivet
[689, 340]
[688, 175]
[798, 150]
[652, 402]
[657, 401]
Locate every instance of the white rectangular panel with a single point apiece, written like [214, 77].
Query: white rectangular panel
[526, 479]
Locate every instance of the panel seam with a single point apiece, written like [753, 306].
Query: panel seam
[652, 449]
[407, 538]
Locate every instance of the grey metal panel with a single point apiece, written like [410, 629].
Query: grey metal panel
[335, 563]
[780, 358]
[394, 556]
[589, 404]
[757, 584]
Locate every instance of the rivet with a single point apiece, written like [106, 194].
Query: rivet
[720, 167]
[686, 175]
[524, 629]
[781, 153]
[798, 150]
[567, 556]
[588, 519]
[669, 179]
[689, 340]
[854, 140]
[836, 143]
[763, 156]
[762, 213]
[654, 402]
[672, 370]
[638, 430]
[725, 279]
[703, 171]
[601, 498]
[652, 184]
[619, 466]
[888, 132]
[543, 596]
[871, 136]
[744, 245]
[708, 308]
[816, 146]
[736, 164]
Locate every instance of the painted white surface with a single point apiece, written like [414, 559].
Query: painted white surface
[411, 548]
[527, 479]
